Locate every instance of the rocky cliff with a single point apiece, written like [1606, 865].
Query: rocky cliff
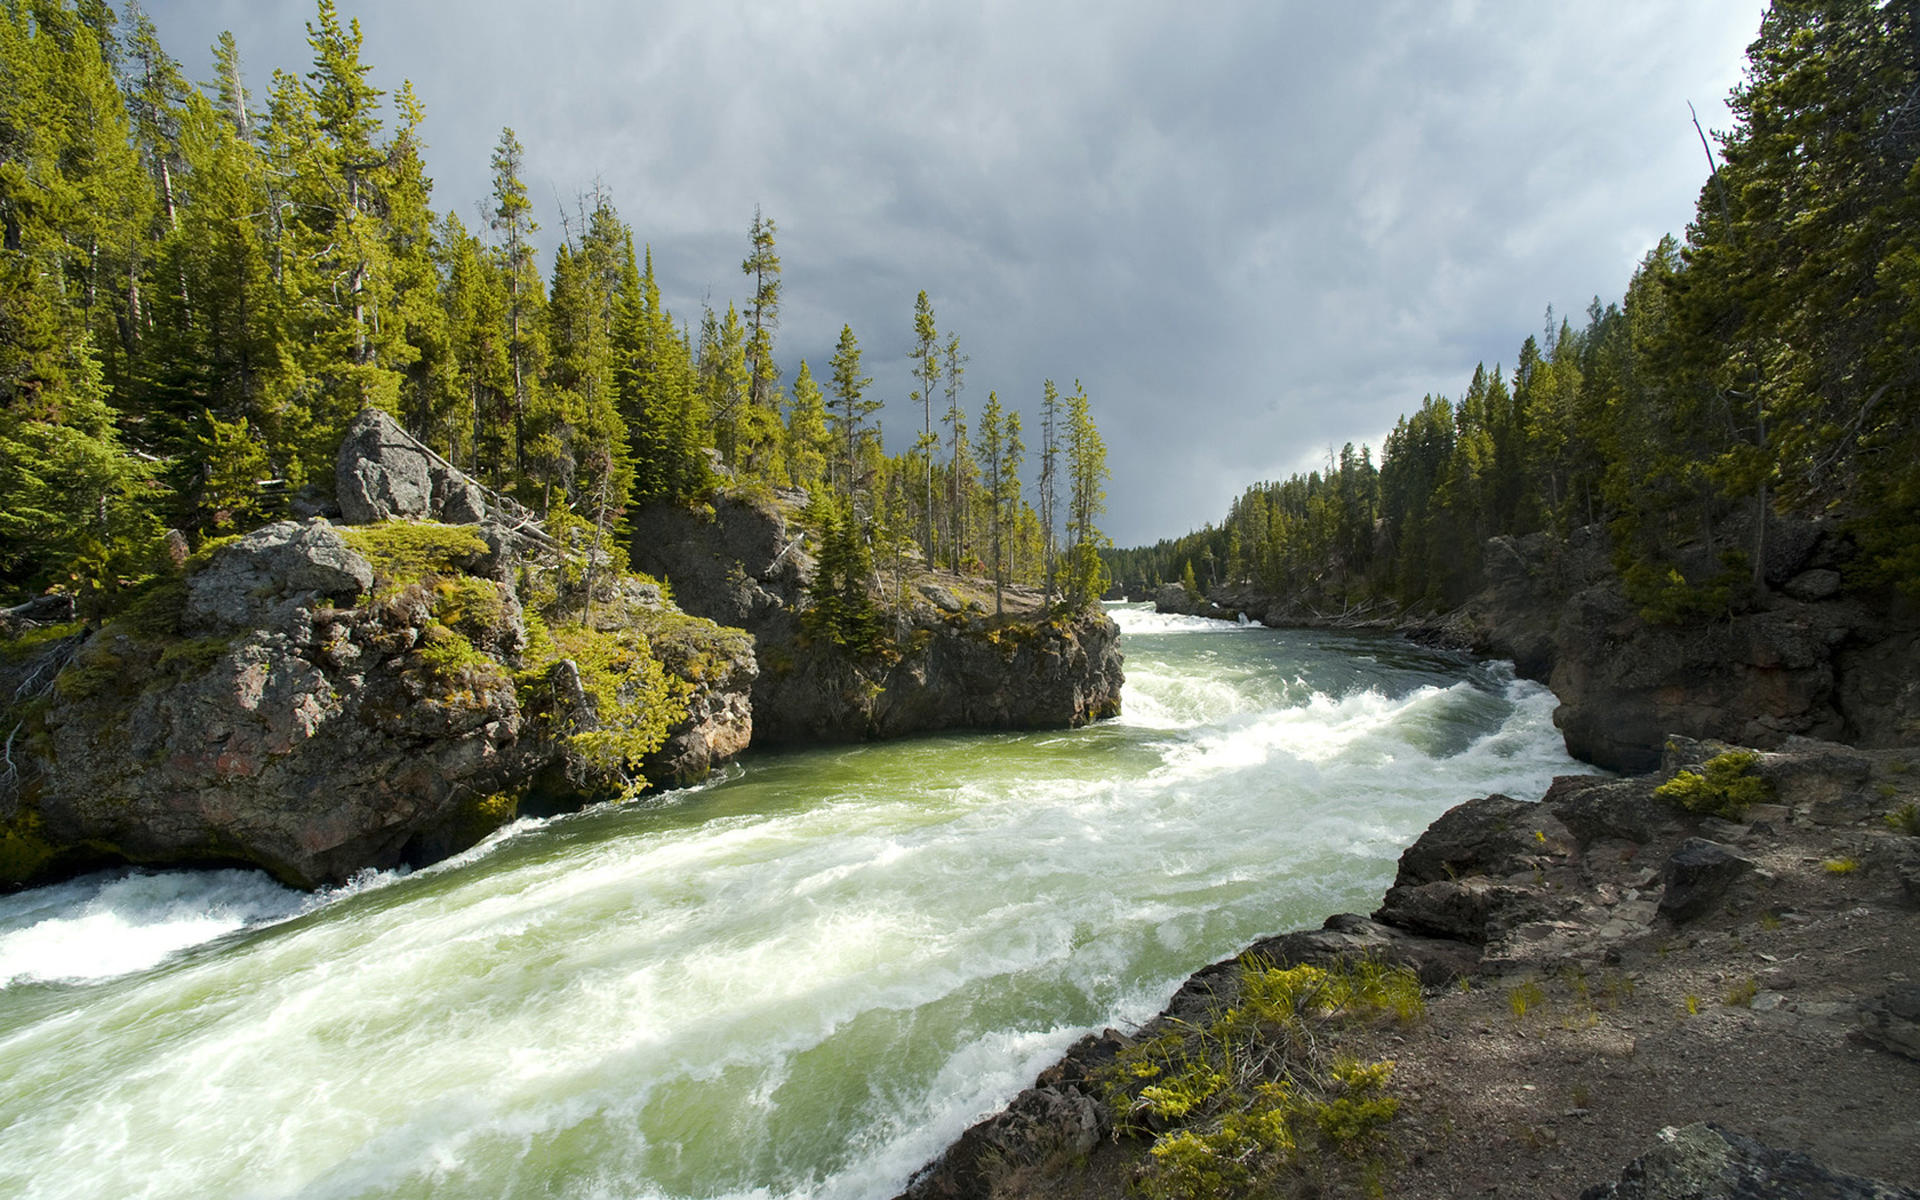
[1800, 657]
[952, 663]
[315, 699]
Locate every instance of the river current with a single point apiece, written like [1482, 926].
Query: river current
[801, 979]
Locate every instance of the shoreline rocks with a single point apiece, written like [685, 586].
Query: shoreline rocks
[1594, 883]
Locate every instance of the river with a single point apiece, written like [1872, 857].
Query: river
[801, 979]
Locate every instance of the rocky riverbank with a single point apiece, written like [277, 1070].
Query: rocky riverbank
[1597, 966]
[1799, 657]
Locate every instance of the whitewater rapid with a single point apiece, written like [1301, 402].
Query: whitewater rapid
[801, 980]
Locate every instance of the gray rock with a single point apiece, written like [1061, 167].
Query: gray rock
[261, 580]
[1813, 585]
[1494, 835]
[1705, 1162]
[1893, 1022]
[383, 472]
[1595, 807]
[1475, 910]
[1174, 598]
[1042, 1126]
[941, 598]
[1697, 876]
[1349, 936]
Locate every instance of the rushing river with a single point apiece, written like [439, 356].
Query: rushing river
[801, 980]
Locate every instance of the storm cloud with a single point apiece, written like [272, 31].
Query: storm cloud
[1253, 230]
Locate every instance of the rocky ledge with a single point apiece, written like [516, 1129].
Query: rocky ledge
[952, 661]
[314, 699]
[1603, 972]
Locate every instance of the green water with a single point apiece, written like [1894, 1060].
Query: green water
[803, 979]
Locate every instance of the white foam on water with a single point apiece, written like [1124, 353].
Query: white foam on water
[102, 926]
[1138, 621]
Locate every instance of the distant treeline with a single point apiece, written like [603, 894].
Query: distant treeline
[199, 289]
[1768, 364]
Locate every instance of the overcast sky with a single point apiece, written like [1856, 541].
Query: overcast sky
[1254, 230]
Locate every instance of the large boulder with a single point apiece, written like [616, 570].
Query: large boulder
[322, 743]
[275, 708]
[271, 574]
[1493, 835]
[1808, 660]
[383, 471]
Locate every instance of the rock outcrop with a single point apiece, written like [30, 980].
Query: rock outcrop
[310, 739]
[744, 562]
[384, 472]
[316, 700]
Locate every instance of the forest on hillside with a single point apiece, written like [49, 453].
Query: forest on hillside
[199, 288]
[1767, 364]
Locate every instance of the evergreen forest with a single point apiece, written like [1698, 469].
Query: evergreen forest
[200, 287]
[1764, 367]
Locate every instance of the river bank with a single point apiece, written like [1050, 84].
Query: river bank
[1598, 966]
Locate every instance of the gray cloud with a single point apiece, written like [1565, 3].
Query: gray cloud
[1253, 230]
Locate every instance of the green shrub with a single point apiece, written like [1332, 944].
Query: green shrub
[1243, 1097]
[1724, 787]
[1905, 820]
[1525, 997]
[634, 701]
[403, 552]
[33, 640]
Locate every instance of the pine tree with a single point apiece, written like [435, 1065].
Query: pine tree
[1001, 446]
[926, 369]
[849, 411]
[763, 313]
[1087, 475]
[512, 221]
[809, 443]
[660, 395]
[1049, 479]
[961, 470]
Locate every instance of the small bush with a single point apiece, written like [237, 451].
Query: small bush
[403, 552]
[1741, 994]
[1905, 820]
[1524, 998]
[1840, 866]
[1724, 787]
[1243, 1096]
